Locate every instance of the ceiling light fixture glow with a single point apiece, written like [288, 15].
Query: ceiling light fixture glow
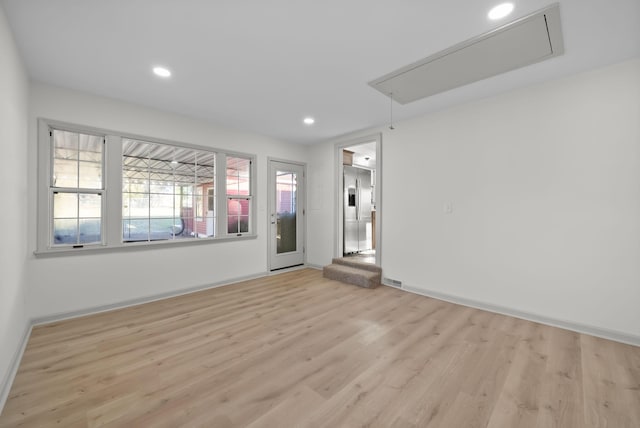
[161, 71]
[500, 11]
[309, 121]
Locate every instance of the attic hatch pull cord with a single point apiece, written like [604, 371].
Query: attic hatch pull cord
[391, 111]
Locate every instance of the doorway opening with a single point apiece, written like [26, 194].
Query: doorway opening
[359, 204]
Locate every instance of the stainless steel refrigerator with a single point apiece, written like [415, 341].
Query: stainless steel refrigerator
[357, 209]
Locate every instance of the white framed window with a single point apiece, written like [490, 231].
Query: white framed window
[239, 196]
[104, 189]
[162, 191]
[76, 188]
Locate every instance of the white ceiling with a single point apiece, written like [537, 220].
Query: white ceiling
[263, 66]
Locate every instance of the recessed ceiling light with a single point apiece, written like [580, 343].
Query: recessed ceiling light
[500, 11]
[161, 71]
[309, 121]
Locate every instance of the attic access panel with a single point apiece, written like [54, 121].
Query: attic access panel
[528, 40]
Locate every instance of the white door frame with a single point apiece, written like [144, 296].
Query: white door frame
[339, 212]
[270, 208]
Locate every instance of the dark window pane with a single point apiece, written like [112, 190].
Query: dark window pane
[65, 231]
[238, 215]
[90, 232]
[135, 229]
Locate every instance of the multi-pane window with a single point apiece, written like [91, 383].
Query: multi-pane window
[101, 189]
[163, 188]
[238, 194]
[76, 188]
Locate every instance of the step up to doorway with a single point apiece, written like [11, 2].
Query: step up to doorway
[352, 272]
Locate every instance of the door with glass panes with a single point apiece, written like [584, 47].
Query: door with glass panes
[286, 214]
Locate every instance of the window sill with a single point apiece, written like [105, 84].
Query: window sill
[138, 246]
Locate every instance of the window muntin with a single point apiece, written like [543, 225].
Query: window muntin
[238, 210]
[76, 216]
[77, 160]
[239, 198]
[210, 199]
[162, 187]
[76, 188]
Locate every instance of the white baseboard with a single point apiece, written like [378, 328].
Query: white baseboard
[313, 266]
[7, 381]
[141, 300]
[604, 333]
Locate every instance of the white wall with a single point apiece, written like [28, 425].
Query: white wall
[545, 188]
[78, 282]
[14, 87]
[321, 185]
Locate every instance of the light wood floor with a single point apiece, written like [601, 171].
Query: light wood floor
[296, 350]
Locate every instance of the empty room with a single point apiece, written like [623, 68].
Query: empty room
[320, 214]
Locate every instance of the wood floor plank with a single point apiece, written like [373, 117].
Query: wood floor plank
[363, 400]
[294, 408]
[254, 386]
[519, 401]
[481, 388]
[611, 394]
[561, 391]
[298, 350]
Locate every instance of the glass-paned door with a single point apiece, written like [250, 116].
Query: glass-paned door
[286, 214]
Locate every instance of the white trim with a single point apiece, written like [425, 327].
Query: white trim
[144, 245]
[313, 266]
[220, 197]
[270, 208]
[112, 202]
[10, 375]
[616, 336]
[339, 170]
[223, 198]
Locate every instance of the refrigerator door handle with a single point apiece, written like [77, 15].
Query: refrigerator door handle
[357, 199]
